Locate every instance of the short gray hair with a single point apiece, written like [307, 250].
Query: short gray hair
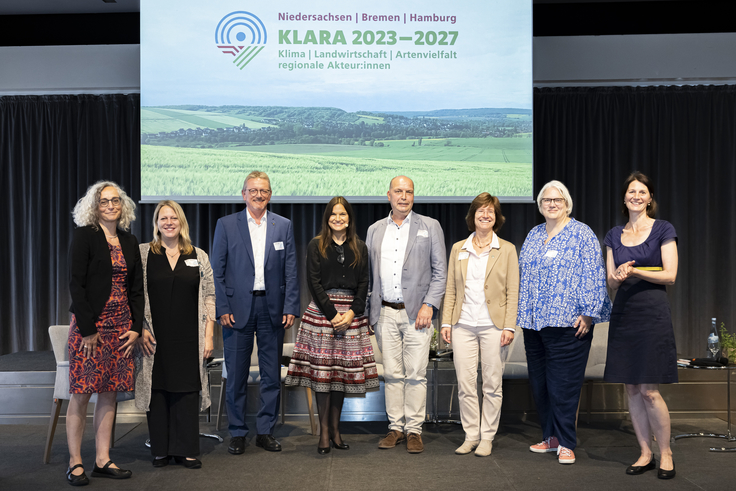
[563, 191]
[86, 212]
[256, 174]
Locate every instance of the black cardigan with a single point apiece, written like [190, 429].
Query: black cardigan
[90, 277]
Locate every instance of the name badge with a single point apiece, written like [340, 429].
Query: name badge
[550, 253]
[279, 246]
[193, 263]
[422, 233]
[463, 255]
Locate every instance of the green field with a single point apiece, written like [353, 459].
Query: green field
[501, 166]
[459, 149]
[154, 120]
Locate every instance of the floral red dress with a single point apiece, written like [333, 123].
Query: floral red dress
[109, 370]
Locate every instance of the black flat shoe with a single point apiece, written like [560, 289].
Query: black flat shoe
[161, 462]
[189, 464]
[635, 470]
[323, 451]
[110, 472]
[80, 480]
[268, 442]
[340, 446]
[237, 445]
[663, 474]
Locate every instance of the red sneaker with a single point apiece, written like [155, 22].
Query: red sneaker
[565, 455]
[548, 445]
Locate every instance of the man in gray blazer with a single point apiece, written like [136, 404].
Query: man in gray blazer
[408, 275]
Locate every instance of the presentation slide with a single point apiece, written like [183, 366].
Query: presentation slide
[336, 98]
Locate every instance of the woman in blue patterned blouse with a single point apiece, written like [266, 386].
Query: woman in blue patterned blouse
[562, 294]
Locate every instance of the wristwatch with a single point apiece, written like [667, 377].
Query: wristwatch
[429, 305]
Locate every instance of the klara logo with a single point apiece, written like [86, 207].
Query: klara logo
[235, 31]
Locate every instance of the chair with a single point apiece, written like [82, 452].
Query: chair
[254, 378]
[596, 362]
[59, 336]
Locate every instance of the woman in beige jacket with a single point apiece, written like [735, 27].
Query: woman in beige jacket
[479, 318]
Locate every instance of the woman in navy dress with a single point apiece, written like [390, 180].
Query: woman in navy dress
[641, 261]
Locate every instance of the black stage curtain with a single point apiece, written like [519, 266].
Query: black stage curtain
[51, 149]
[684, 138]
[589, 138]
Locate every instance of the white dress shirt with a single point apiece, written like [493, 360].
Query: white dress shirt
[258, 241]
[393, 249]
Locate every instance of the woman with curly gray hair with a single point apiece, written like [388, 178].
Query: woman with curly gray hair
[106, 285]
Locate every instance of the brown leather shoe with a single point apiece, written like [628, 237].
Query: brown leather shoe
[393, 438]
[414, 443]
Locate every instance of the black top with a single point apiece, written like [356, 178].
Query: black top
[90, 277]
[173, 296]
[326, 273]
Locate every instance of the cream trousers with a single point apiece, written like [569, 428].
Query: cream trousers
[405, 352]
[467, 344]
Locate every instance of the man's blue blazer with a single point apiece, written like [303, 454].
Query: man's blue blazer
[234, 270]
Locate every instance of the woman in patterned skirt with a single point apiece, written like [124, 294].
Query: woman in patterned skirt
[562, 294]
[333, 353]
[106, 285]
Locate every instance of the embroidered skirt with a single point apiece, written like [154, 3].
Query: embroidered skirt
[327, 360]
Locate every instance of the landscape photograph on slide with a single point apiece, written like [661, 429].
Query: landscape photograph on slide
[333, 101]
[325, 151]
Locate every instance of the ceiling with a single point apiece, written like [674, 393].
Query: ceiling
[29, 7]
[25, 7]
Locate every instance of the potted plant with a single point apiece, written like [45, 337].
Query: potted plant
[728, 344]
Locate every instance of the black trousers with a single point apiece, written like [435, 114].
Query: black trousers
[173, 423]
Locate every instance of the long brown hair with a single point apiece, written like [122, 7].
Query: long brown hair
[325, 235]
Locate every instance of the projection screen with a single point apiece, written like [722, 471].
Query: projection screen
[336, 98]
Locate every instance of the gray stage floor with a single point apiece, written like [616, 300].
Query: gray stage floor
[604, 451]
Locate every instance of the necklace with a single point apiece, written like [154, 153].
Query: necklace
[172, 255]
[111, 236]
[477, 242]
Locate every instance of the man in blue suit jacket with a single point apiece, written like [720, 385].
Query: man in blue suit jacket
[257, 288]
[408, 276]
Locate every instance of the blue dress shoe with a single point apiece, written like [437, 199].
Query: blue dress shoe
[268, 442]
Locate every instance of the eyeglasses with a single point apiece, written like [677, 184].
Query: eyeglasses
[340, 253]
[263, 192]
[549, 201]
[105, 202]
